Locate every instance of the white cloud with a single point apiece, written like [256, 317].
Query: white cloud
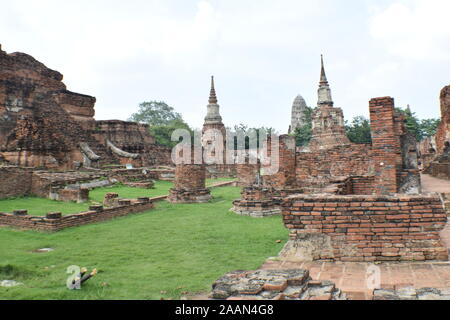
[417, 29]
[263, 52]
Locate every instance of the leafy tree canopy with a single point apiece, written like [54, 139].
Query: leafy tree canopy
[155, 113]
[419, 128]
[163, 120]
[358, 131]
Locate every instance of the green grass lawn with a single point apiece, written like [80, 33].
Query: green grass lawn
[171, 249]
[41, 206]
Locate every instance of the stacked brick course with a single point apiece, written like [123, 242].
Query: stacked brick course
[366, 228]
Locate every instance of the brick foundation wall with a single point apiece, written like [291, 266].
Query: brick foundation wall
[48, 224]
[369, 228]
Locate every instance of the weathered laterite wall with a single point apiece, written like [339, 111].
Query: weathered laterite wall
[367, 228]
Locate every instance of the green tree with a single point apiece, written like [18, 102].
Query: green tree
[429, 126]
[358, 131]
[163, 133]
[413, 124]
[163, 120]
[304, 133]
[155, 113]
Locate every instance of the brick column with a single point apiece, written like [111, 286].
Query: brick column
[189, 186]
[386, 147]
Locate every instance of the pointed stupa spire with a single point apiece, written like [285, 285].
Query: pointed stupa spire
[323, 76]
[324, 91]
[212, 93]
[213, 114]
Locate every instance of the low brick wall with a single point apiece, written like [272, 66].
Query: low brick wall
[48, 223]
[369, 228]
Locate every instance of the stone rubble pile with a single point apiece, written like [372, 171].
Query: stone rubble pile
[294, 284]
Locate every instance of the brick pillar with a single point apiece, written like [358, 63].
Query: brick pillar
[189, 186]
[190, 176]
[386, 147]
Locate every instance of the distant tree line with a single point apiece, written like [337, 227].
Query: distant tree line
[163, 120]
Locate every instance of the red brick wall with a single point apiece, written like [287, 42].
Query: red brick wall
[348, 160]
[370, 228]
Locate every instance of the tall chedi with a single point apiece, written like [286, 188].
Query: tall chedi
[298, 114]
[328, 128]
[214, 132]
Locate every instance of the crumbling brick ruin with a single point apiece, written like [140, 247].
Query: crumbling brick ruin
[435, 150]
[189, 184]
[391, 159]
[381, 225]
[42, 124]
[269, 180]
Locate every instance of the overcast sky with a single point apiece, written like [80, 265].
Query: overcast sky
[262, 53]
